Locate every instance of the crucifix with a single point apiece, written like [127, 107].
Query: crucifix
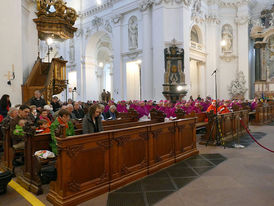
[10, 75]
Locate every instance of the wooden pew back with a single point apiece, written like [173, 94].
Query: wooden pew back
[229, 124]
[30, 179]
[92, 164]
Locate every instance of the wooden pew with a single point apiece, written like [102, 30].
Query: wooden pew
[30, 179]
[131, 116]
[92, 164]
[6, 159]
[201, 117]
[263, 115]
[229, 124]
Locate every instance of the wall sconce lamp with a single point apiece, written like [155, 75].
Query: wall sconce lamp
[10, 75]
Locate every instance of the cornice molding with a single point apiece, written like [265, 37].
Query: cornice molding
[185, 2]
[96, 9]
[145, 4]
[228, 57]
[132, 54]
[228, 4]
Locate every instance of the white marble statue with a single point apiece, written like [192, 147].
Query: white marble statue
[133, 33]
[227, 36]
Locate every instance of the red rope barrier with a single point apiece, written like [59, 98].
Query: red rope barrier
[242, 123]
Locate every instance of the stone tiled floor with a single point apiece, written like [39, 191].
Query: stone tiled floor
[156, 187]
[246, 177]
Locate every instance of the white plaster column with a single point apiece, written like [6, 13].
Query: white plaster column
[92, 87]
[212, 57]
[111, 77]
[158, 51]
[185, 14]
[202, 79]
[117, 59]
[147, 66]
[99, 75]
[243, 46]
[82, 83]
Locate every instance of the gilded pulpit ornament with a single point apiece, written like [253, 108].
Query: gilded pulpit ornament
[55, 20]
[174, 79]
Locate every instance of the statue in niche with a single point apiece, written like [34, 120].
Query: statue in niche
[71, 51]
[174, 75]
[133, 32]
[227, 36]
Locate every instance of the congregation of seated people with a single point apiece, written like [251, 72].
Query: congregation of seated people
[45, 118]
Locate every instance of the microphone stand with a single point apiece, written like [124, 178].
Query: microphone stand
[218, 133]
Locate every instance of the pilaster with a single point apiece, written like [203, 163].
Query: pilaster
[117, 60]
[147, 66]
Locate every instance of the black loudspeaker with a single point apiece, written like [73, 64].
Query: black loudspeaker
[5, 178]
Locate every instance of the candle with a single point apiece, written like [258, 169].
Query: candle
[12, 68]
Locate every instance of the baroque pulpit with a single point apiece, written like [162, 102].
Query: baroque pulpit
[54, 20]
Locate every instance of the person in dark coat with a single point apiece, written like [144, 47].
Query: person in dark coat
[38, 101]
[4, 105]
[92, 122]
[55, 104]
[110, 115]
[78, 112]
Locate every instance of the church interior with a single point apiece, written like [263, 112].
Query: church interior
[137, 102]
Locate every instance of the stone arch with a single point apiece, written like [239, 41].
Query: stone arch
[91, 44]
[98, 48]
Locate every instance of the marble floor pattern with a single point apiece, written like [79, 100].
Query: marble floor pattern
[217, 176]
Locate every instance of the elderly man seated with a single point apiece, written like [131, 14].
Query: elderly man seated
[78, 111]
[38, 101]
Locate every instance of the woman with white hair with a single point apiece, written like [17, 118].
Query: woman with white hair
[50, 112]
[103, 114]
[110, 115]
